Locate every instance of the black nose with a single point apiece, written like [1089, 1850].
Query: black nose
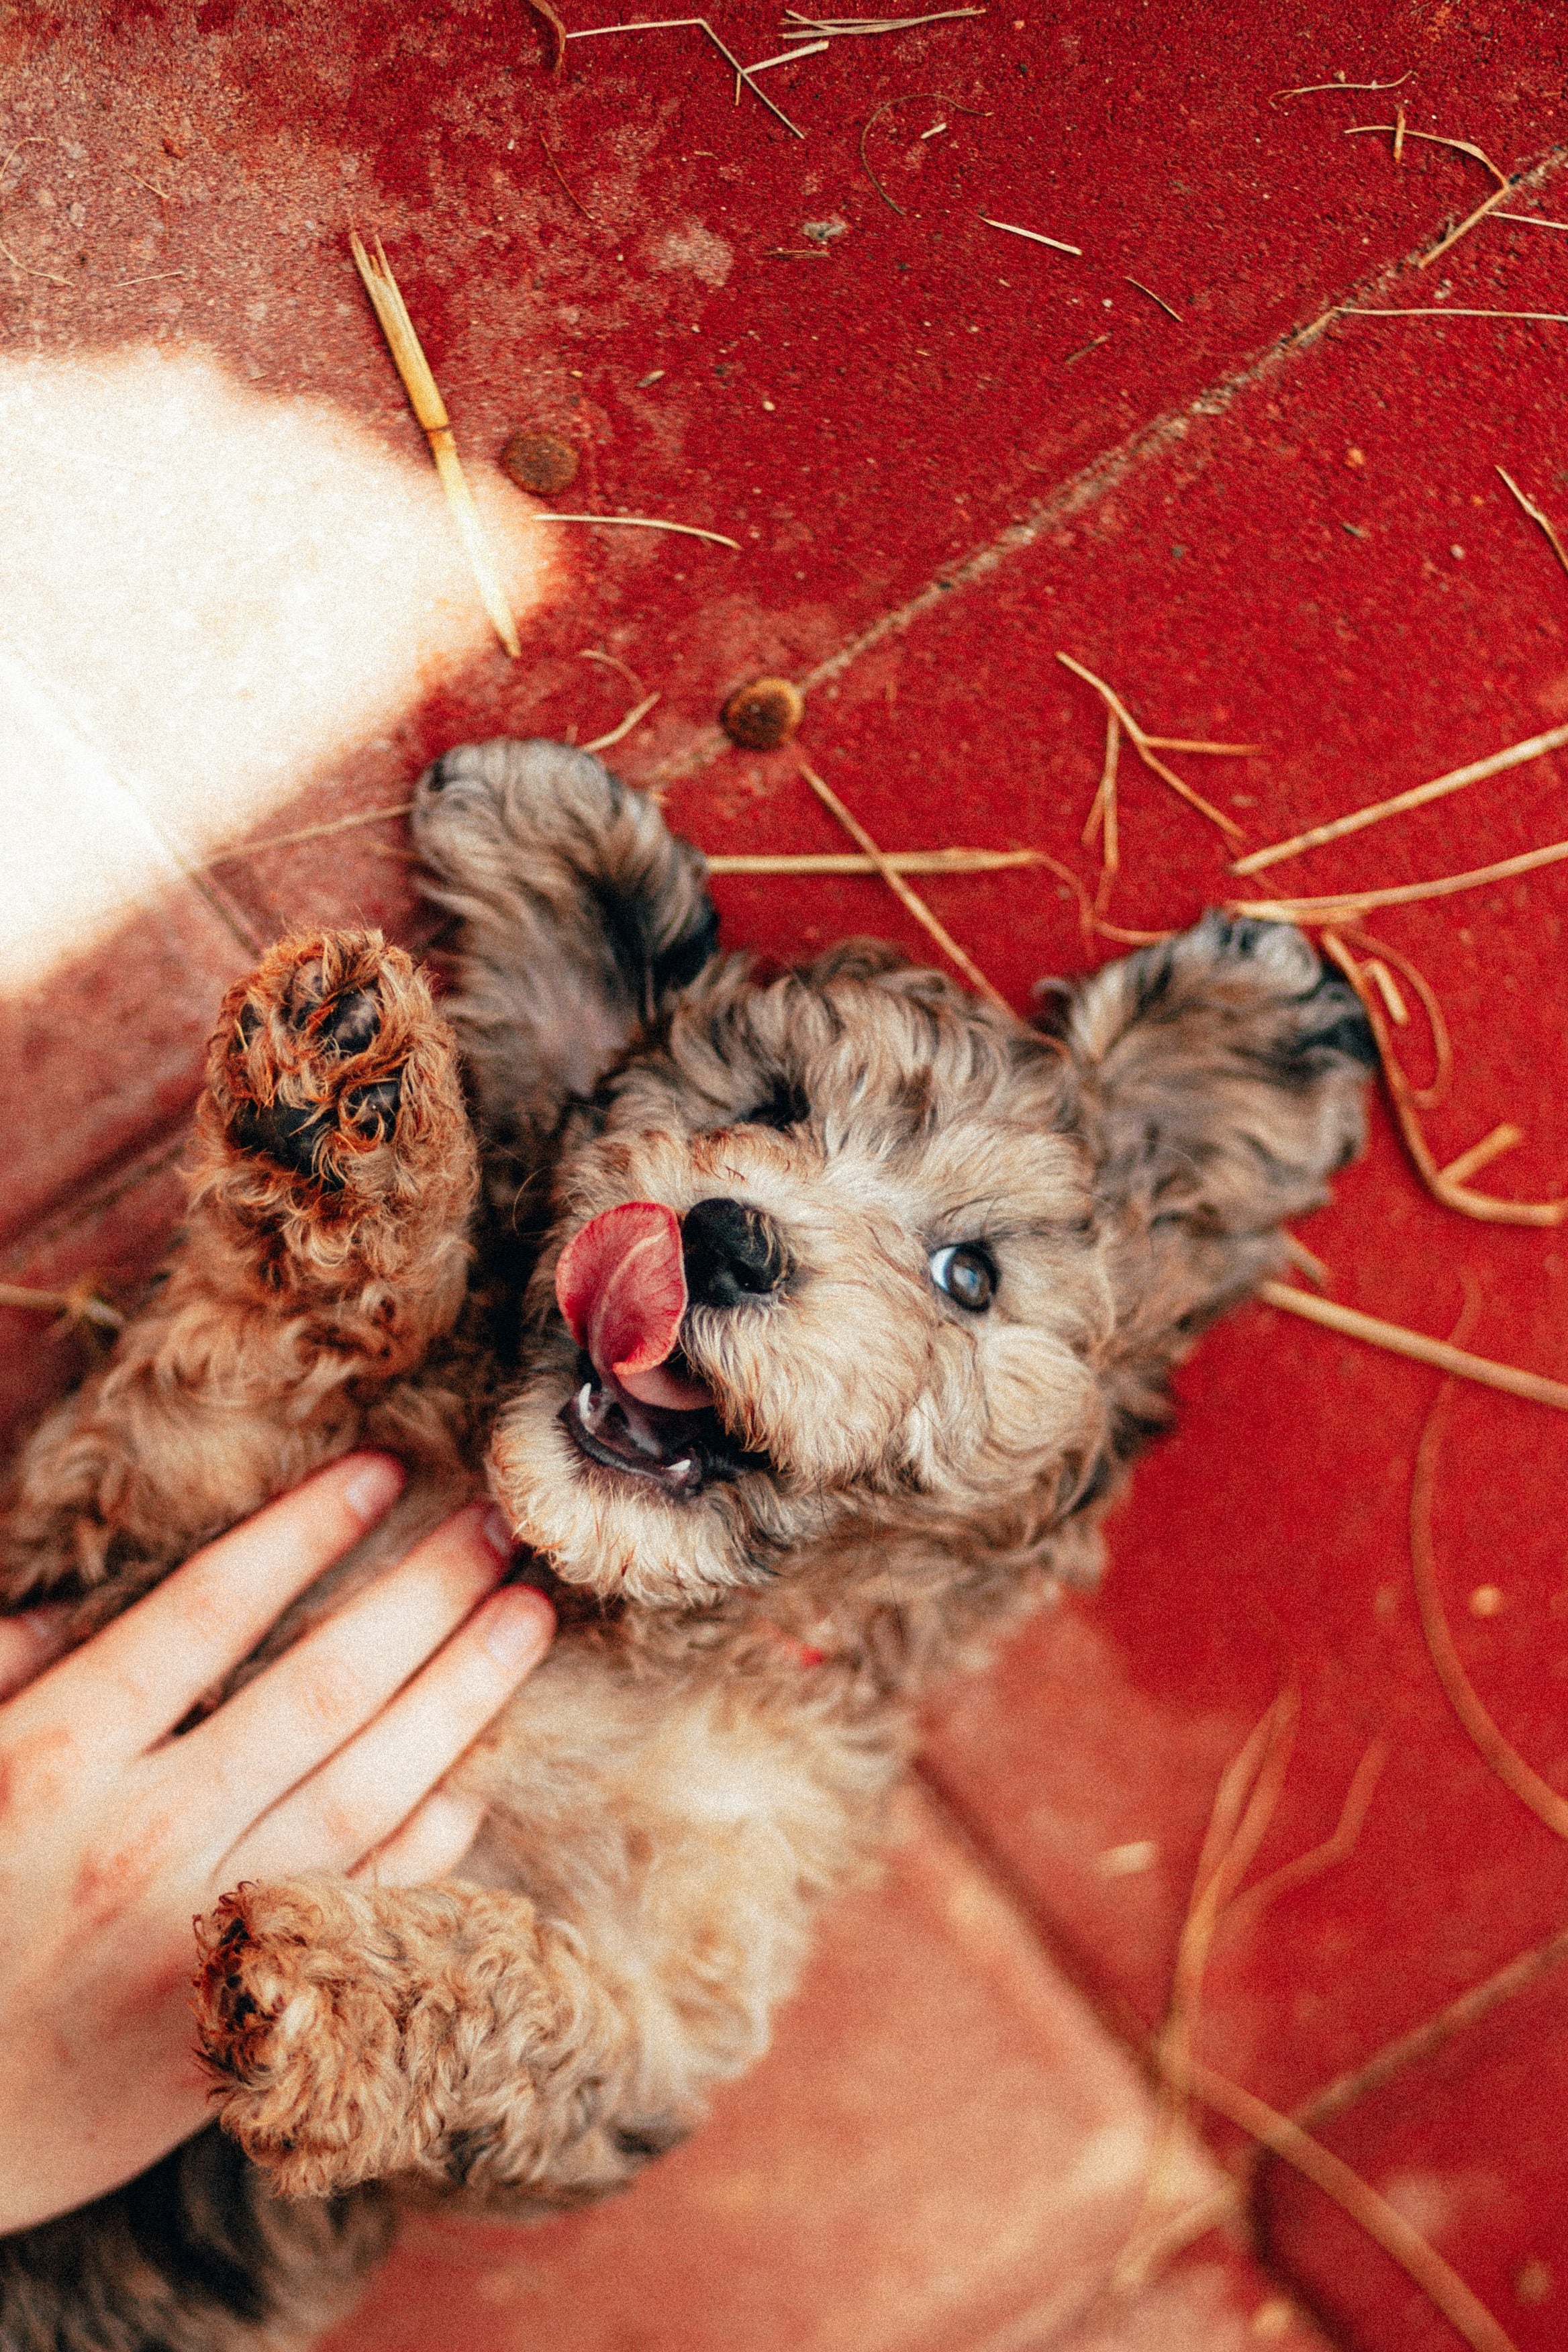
[731, 1253]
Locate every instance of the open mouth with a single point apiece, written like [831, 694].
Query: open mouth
[678, 1452]
[620, 1284]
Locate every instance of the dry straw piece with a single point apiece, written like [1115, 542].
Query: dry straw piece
[424, 399]
[700, 23]
[1154, 298]
[1439, 1353]
[1438, 2280]
[1435, 1092]
[1384, 2066]
[542, 9]
[1480, 1155]
[1503, 1759]
[79, 1304]
[1533, 748]
[634, 718]
[1485, 1207]
[1306, 88]
[910, 98]
[1148, 746]
[901, 889]
[34, 139]
[1330, 907]
[902, 861]
[1449, 310]
[1533, 512]
[561, 183]
[1244, 1806]
[784, 57]
[1036, 237]
[642, 522]
[1250, 1906]
[799, 28]
[1425, 2040]
[1102, 816]
[1461, 146]
[305, 832]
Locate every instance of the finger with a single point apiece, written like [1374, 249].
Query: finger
[273, 1734]
[28, 1642]
[432, 1841]
[353, 1804]
[135, 1679]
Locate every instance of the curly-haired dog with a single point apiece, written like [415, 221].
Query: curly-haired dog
[815, 1318]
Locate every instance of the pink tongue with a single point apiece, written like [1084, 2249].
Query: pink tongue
[621, 1286]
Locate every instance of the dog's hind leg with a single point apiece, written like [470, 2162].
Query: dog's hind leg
[580, 913]
[358, 2033]
[539, 2045]
[326, 1248]
[1222, 1080]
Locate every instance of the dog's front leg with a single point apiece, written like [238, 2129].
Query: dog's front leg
[325, 1248]
[357, 2033]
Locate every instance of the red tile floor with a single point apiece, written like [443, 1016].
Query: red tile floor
[234, 609]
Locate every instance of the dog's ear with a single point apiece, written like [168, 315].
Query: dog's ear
[579, 911]
[1223, 1078]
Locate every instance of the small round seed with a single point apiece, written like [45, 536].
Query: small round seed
[541, 462]
[762, 716]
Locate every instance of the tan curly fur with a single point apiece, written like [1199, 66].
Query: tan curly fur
[884, 1482]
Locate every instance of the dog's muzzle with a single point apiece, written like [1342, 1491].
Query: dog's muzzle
[624, 1284]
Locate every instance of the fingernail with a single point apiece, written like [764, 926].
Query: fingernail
[496, 1529]
[517, 1628]
[374, 1487]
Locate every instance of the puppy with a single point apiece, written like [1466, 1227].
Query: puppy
[801, 1325]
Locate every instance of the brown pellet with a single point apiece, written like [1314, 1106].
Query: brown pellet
[762, 716]
[541, 462]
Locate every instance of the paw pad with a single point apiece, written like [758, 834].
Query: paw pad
[312, 1034]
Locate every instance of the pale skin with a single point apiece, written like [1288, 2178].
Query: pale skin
[113, 1835]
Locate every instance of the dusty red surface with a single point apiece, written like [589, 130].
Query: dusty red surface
[1291, 539]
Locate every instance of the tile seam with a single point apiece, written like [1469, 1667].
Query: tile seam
[1087, 487]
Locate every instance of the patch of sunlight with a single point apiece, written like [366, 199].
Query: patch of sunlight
[210, 594]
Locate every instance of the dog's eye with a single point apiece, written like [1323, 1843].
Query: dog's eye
[786, 1106]
[966, 1274]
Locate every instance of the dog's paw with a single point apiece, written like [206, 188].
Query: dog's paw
[300, 2042]
[310, 1065]
[1228, 1069]
[1299, 1017]
[534, 829]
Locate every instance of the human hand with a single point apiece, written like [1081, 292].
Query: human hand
[112, 1834]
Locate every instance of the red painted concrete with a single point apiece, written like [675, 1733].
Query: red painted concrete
[934, 2155]
[1292, 541]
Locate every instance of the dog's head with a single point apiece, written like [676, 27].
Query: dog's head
[848, 1254]
[827, 1246]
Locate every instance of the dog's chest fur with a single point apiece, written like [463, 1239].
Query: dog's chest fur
[684, 1820]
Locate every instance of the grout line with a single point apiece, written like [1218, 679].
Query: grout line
[1037, 2327]
[1131, 2033]
[1103, 475]
[57, 1223]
